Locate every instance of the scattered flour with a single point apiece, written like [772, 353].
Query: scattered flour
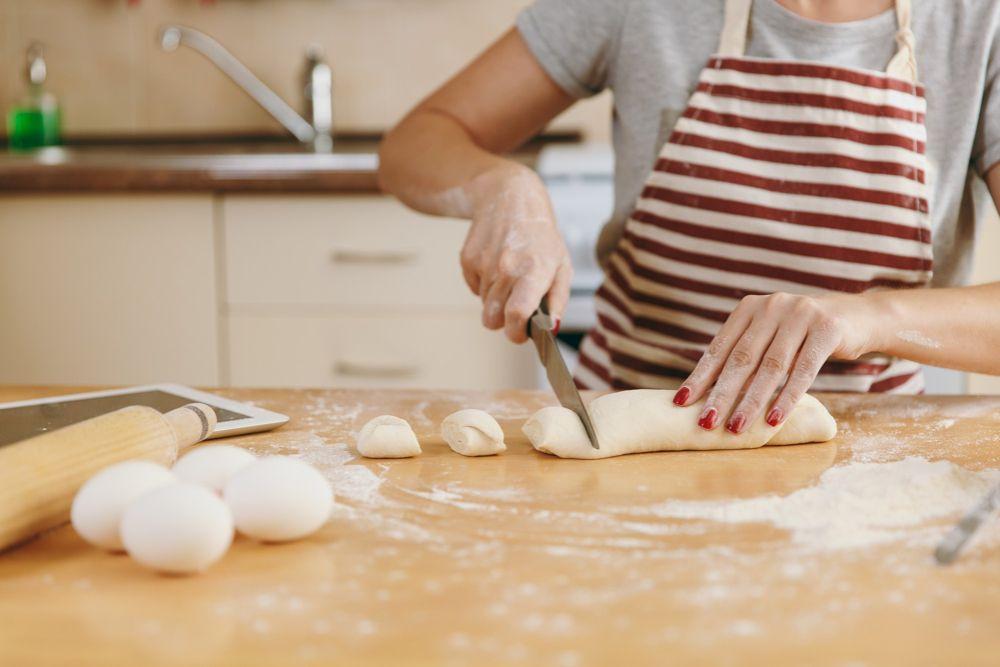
[854, 505]
[917, 338]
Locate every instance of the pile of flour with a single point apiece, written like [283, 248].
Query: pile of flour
[854, 505]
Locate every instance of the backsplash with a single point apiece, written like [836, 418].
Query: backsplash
[111, 77]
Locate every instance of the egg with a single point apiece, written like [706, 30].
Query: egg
[213, 465]
[182, 528]
[278, 499]
[98, 506]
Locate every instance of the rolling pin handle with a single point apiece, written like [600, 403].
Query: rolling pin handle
[192, 423]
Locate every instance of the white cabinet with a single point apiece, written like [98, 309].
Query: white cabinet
[354, 291]
[245, 290]
[108, 289]
[987, 270]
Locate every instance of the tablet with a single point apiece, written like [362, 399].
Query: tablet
[25, 419]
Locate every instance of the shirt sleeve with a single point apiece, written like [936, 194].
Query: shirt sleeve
[986, 147]
[574, 41]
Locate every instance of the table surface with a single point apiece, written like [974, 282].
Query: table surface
[523, 558]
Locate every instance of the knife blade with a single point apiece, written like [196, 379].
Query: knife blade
[956, 539]
[540, 330]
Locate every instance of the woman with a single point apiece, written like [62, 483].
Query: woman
[779, 210]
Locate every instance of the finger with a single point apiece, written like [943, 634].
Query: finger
[559, 292]
[738, 368]
[815, 351]
[494, 301]
[772, 371]
[468, 260]
[524, 299]
[708, 367]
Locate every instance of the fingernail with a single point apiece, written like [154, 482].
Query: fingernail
[774, 417]
[736, 423]
[682, 396]
[556, 325]
[708, 419]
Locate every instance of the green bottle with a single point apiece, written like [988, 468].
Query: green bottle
[35, 121]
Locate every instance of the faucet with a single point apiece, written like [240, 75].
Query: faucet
[318, 86]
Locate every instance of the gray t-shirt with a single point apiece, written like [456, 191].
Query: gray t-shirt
[650, 52]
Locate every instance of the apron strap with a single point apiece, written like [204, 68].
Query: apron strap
[733, 41]
[904, 64]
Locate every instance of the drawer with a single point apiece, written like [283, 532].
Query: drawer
[394, 350]
[341, 250]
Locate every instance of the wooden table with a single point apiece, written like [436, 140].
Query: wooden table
[528, 559]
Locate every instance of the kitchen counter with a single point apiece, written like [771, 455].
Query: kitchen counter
[524, 558]
[252, 164]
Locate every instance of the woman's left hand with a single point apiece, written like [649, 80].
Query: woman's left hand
[766, 340]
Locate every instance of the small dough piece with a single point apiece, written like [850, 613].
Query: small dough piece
[473, 433]
[387, 437]
[646, 420]
[179, 529]
[279, 499]
[98, 506]
[212, 465]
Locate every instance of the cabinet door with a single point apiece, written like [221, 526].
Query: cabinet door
[987, 270]
[437, 351]
[344, 251]
[108, 289]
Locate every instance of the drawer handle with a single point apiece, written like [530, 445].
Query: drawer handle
[373, 256]
[352, 369]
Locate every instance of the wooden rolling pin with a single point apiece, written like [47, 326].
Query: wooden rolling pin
[40, 476]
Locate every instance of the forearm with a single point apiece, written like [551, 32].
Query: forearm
[951, 327]
[432, 164]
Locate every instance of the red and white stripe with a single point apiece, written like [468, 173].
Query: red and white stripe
[779, 176]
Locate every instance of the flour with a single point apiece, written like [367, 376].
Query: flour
[917, 338]
[854, 505]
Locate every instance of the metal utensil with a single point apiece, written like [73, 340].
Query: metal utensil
[956, 539]
[540, 330]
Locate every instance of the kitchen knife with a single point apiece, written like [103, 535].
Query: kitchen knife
[540, 330]
[959, 536]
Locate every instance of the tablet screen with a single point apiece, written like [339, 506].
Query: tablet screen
[26, 421]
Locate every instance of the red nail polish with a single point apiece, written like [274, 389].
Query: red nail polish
[774, 417]
[682, 396]
[736, 423]
[556, 324]
[708, 419]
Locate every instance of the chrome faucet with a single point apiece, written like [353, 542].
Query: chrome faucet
[318, 88]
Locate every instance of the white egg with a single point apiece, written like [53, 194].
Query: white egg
[180, 529]
[213, 465]
[277, 499]
[99, 504]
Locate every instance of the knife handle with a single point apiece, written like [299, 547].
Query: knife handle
[541, 316]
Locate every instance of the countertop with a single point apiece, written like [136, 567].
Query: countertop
[523, 558]
[211, 164]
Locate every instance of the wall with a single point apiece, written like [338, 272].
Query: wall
[111, 77]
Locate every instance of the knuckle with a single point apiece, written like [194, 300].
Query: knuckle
[715, 348]
[740, 357]
[772, 364]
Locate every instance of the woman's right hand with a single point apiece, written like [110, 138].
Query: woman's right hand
[514, 254]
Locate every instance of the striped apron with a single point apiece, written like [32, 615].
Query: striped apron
[780, 176]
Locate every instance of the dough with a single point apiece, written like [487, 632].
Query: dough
[646, 420]
[99, 504]
[473, 433]
[278, 499]
[387, 437]
[212, 465]
[180, 529]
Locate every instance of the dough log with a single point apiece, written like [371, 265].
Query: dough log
[646, 420]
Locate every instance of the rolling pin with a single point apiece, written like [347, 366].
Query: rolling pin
[40, 476]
